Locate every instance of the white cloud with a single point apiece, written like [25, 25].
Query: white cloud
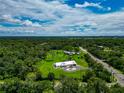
[65, 20]
[8, 18]
[109, 8]
[87, 4]
[29, 23]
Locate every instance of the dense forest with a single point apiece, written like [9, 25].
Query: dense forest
[19, 56]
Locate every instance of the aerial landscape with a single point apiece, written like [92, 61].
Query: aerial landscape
[61, 46]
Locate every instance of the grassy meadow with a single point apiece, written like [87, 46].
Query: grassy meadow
[45, 66]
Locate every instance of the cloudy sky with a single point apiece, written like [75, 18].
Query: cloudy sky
[61, 17]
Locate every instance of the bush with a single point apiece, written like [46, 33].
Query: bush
[51, 76]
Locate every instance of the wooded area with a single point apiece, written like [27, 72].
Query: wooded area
[19, 59]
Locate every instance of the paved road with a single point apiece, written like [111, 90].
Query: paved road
[118, 75]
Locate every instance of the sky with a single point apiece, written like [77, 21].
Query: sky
[61, 17]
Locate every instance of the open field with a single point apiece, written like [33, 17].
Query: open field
[53, 56]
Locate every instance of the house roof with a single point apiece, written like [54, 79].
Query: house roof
[66, 63]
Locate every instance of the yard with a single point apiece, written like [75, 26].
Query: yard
[53, 56]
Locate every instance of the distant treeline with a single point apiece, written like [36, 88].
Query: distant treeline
[58, 37]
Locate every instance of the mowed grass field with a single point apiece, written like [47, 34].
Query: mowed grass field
[53, 56]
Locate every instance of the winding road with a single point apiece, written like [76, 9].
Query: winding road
[117, 74]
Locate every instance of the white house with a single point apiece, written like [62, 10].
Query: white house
[65, 64]
[71, 53]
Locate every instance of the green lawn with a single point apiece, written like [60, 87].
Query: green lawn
[53, 56]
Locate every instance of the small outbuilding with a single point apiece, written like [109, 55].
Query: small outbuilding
[71, 52]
